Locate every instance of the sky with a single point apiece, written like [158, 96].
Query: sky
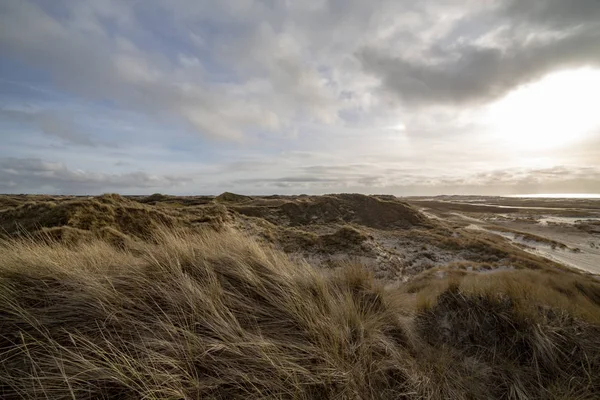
[401, 97]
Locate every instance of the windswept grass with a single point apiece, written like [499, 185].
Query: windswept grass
[203, 316]
[109, 211]
[217, 316]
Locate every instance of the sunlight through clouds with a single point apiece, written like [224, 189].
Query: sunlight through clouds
[560, 108]
[182, 90]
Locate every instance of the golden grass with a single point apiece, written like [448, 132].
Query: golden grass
[215, 315]
[483, 247]
[202, 316]
[91, 214]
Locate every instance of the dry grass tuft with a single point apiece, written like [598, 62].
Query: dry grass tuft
[195, 316]
[526, 351]
[90, 214]
[215, 315]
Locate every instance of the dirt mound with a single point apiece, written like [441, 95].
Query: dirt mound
[346, 238]
[155, 198]
[342, 209]
[91, 214]
[353, 208]
[228, 197]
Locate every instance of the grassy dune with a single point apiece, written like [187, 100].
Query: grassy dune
[216, 315]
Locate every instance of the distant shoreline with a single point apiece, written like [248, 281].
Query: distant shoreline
[559, 195]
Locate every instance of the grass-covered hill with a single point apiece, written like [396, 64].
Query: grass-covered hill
[389, 236]
[163, 297]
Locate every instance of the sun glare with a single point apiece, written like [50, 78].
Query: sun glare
[558, 109]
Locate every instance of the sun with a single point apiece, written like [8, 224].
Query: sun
[560, 108]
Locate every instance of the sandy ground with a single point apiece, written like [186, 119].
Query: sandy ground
[577, 225]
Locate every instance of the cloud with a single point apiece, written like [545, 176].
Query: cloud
[523, 41]
[300, 94]
[83, 57]
[406, 182]
[561, 179]
[40, 176]
[50, 123]
[286, 180]
[553, 13]
[323, 178]
[272, 67]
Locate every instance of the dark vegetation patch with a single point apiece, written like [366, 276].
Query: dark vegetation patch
[346, 240]
[545, 353]
[358, 209]
[591, 227]
[228, 197]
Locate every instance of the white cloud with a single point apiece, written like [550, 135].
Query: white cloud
[273, 80]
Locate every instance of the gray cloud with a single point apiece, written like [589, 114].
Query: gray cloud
[52, 124]
[310, 88]
[553, 13]
[286, 181]
[562, 179]
[403, 182]
[39, 176]
[286, 64]
[329, 169]
[19, 175]
[525, 40]
[336, 177]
